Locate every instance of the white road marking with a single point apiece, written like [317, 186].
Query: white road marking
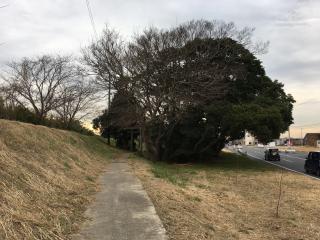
[291, 170]
[292, 156]
[285, 155]
[287, 160]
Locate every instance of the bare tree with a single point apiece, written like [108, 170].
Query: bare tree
[153, 67]
[36, 82]
[77, 101]
[105, 59]
[8, 96]
[162, 65]
[215, 29]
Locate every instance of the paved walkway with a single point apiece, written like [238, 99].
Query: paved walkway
[122, 210]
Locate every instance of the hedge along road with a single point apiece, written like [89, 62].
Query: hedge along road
[292, 161]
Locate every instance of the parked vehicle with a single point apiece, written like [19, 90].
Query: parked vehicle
[239, 147]
[312, 164]
[271, 144]
[272, 154]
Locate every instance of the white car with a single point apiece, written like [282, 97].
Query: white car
[260, 145]
[289, 149]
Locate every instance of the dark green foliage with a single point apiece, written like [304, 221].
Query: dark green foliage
[191, 138]
[121, 121]
[18, 113]
[247, 100]
[224, 163]
[190, 89]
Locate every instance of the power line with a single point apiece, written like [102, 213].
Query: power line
[307, 102]
[91, 19]
[306, 125]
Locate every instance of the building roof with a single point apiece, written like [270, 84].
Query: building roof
[317, 135]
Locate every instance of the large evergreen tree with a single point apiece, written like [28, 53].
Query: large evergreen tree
[198, 86]
[221, 90]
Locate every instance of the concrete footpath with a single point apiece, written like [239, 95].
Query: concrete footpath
[122, 209]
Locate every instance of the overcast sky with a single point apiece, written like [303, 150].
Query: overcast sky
[34, 27]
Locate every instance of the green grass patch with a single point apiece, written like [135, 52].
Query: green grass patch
[66, 165]
[194, 198]
[230, 162]
[73, 141]
[98, 145]
[202, 186]
[176, 174]
[226, 163]
[89, 178]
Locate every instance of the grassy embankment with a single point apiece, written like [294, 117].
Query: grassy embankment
[47, 178]
[231, 198]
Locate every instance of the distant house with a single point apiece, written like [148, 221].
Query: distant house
[289, 142]
[281, 141]
[296, 141]
[293, 142]
[312, 139]
[249, 139]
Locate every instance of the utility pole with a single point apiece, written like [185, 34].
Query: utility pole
[109, 104]
[131, 140]
[141, 140]
[301, 138]
[289, 137]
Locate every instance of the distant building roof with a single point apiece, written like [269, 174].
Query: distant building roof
[312, 135]
[312, 139]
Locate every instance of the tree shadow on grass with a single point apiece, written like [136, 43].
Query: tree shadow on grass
[225, 163]
[231, 162]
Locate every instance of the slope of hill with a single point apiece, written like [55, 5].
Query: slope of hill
[47, 177]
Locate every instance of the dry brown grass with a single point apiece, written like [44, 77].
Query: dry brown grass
[302, 148]
[218, 201]
[47, 177]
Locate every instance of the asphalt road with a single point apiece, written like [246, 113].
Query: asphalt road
[292, 161]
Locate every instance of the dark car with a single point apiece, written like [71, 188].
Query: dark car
[272, 154]
[311, 165]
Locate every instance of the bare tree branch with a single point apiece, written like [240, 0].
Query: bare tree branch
[36, 82]
[78, 100]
